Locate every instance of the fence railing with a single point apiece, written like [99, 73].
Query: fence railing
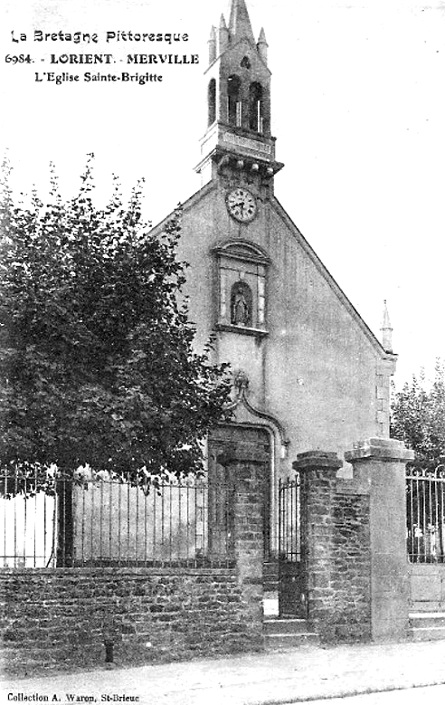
[110, 522]
[425, 490]
[289, 520]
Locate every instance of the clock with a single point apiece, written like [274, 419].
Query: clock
[241, 205]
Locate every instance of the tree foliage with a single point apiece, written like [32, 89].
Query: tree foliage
[97, 364]
[418, 417]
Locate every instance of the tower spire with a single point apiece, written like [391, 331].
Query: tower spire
[386, 329]
[238, 137]
[239, 23]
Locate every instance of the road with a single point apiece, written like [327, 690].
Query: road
[433, 695]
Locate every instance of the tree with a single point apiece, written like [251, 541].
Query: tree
[97, 364]
[418, 417]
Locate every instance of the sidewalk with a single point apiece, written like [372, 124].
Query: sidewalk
[306, 673]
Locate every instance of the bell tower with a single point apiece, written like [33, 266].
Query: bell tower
[238, 134]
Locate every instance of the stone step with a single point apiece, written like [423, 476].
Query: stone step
[427, 633]
[289, 641]
[427, 626]
[427, 619]
[287, 633]
[277, 625]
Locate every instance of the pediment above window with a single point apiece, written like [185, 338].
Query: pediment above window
[241, 249]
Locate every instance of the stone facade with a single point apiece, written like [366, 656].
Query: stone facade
[315, 369]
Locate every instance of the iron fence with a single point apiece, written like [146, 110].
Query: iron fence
[110, 522]
[425, 489]
[289, 521]
[291, 593]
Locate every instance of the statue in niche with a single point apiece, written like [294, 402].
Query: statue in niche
[241, 304]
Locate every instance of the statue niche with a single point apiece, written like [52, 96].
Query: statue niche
[241, 304]
[241, 288]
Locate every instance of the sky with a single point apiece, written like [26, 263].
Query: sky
[358, 109]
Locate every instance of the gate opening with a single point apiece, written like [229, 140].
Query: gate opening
[291, 592]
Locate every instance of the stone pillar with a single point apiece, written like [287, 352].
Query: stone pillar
[247, 466]
[318, 472]
[380, 464]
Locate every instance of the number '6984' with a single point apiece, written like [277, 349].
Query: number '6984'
[18, 59]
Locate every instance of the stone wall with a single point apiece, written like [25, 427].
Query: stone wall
[351, 575]
[61, 618]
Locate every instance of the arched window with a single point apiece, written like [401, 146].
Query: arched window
[211, 101]
[241, 304]
[234, 114]
[256, 107]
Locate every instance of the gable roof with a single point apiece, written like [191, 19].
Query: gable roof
[322, 269]
[310, 252]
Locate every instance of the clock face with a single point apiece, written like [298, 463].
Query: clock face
[241, 204]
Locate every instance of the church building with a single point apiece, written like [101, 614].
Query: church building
[283, 541]
[308, 372]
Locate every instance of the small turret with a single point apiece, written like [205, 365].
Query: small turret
[223, 36]
[262, 46]
[212, 45]
[386, 329]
